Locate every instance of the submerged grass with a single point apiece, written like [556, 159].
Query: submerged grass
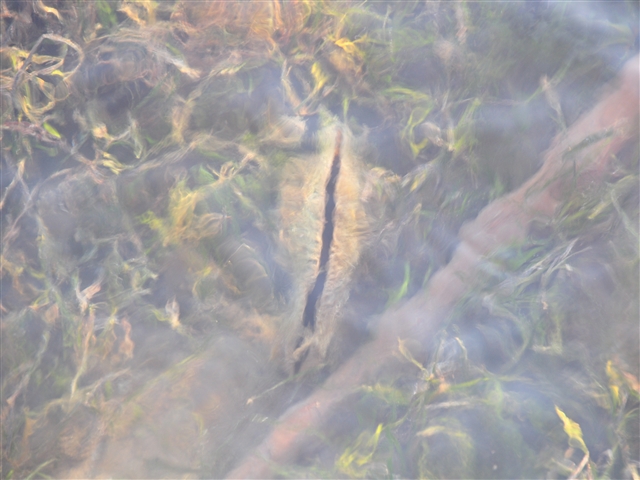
[143, 144]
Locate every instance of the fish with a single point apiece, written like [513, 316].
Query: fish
[323, 224]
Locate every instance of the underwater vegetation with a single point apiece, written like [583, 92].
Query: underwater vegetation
[183, 181]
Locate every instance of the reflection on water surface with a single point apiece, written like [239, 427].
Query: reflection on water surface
[164, 203]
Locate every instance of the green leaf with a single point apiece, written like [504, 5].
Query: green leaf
[51, 130]
[573, 430]
[354, 458]
[400, 293]
[106, 16]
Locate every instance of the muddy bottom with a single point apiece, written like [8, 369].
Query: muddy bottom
[194, 420]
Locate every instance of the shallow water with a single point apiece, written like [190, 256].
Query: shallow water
[144, 336]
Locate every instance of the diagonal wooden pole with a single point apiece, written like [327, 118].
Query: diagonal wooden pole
[581, 155]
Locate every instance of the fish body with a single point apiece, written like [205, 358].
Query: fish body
[322, 221]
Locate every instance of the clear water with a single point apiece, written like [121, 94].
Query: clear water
[187, 376]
